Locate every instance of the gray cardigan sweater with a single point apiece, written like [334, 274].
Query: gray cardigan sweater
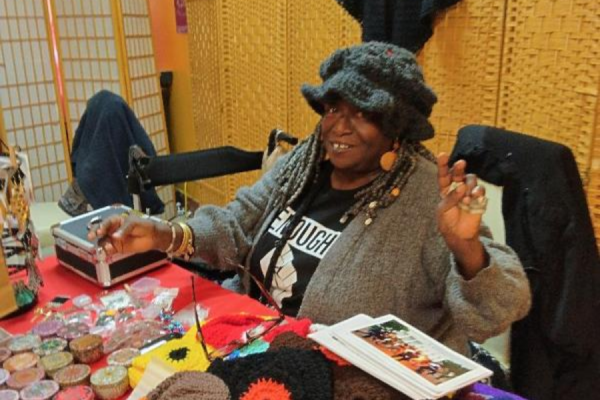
[399, 264]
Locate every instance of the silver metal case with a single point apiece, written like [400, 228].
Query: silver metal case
[75, 252]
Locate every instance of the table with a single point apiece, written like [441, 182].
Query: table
[219, 301]
[60, 281]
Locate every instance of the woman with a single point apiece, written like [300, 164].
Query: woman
[352, 221]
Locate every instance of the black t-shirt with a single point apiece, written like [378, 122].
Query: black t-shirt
[312, 238]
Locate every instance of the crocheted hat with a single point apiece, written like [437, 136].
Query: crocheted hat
[191, 385]
[378, 78]
[351, 383]
[281, 375]
[293, 341]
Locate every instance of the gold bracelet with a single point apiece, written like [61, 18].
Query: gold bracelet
[169, 249]
[186, 248]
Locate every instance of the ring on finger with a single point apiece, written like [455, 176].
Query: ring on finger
[477, 205]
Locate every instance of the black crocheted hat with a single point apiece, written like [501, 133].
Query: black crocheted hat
[280, 375]
[378, 78]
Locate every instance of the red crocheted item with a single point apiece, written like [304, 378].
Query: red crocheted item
[331, 356]
[300, 327]
[221, 331]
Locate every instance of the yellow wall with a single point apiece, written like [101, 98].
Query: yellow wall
[171, 53]
[531, 67]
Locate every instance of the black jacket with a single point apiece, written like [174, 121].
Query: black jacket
[405, 23]
[555, 349]
[100, 154]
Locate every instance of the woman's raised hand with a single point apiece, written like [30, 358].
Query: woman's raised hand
[459, 215]
[462, 202]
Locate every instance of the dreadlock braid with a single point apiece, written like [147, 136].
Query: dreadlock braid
[300, 170]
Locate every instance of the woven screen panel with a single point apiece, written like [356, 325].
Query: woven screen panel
[143, 83]
[550, 77]
[250, 58]
[255, 72]
[461, 62]
[88, 52]
[316, 29]
[207, 77]
[28, 96]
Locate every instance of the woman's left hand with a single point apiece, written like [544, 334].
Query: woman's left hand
[459, 214]
[463, 201]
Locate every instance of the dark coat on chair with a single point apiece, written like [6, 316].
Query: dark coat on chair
[100, 154]
[555, 350]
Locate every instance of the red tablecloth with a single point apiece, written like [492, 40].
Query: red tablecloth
[60, 281]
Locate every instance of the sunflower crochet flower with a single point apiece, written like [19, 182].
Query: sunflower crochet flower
[183, 354]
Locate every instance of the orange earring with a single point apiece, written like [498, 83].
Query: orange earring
[387, 160]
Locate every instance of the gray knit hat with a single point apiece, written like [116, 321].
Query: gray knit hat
[379, 78]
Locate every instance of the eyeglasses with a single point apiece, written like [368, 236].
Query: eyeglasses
[250, 335]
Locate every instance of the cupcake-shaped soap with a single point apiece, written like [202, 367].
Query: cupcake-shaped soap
[76, 393]
[73, 331]
[25, 377]
[46, 329]
[21, 361]
[73, 375]
[87, 349]
[55, 362]
[110, 382]
[123, 357]
[42, 390]
[50, 346]
[23, 343]
[9, 394]
[5, 353]
[4, 375]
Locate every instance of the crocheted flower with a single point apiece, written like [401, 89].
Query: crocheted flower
[183, 354]
[266, 389]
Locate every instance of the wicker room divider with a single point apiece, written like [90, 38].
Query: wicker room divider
[102, 44]
[107, 44]
[526, 66]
